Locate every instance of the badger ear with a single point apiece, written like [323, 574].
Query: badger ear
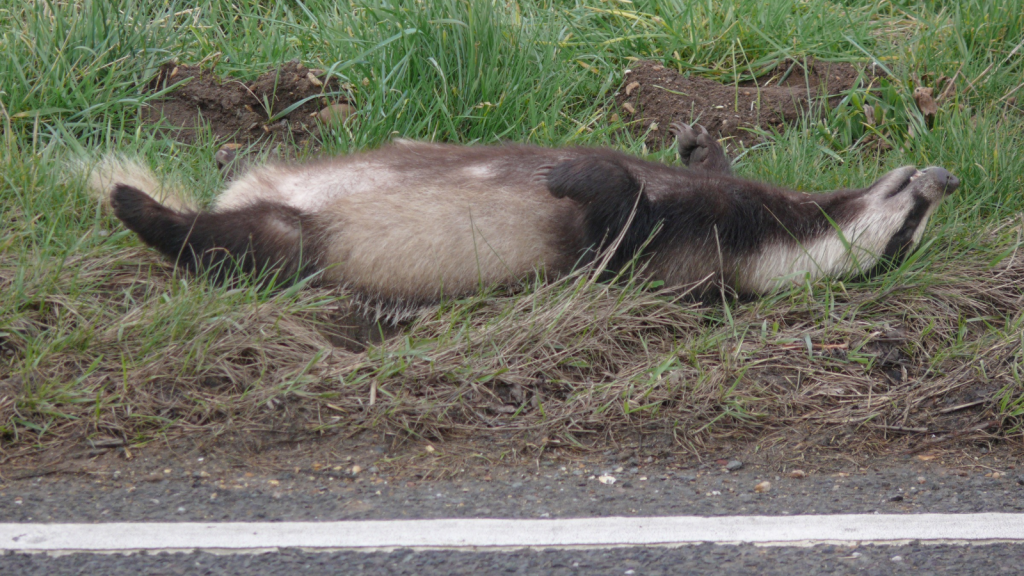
[590, 179]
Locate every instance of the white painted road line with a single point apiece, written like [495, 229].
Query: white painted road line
[474, 533]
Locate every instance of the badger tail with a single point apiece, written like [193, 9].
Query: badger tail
[113, 169]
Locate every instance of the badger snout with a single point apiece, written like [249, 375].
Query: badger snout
[943, 178]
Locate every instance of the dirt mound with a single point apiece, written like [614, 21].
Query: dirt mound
[279, 105]
[653, 96]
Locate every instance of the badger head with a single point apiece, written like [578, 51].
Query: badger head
[868, 230]
[895, 211]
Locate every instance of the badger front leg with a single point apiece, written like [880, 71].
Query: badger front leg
[261, 238]
[611, 198]
[699, 150]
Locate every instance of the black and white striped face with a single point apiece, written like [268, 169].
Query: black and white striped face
[883, 222]
[901, 202]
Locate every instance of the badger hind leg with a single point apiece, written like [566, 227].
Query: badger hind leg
[262, 238]
[698, 150]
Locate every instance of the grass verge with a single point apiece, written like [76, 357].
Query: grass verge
[99, 338]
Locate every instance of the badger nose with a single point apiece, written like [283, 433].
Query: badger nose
[948, 182]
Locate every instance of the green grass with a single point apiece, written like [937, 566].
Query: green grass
[99, 338]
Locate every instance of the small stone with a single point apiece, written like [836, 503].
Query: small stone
[763, 487]
[692, 478]
[1020, 479]
[897, 558]
[227, 154]
[614, 117]
[357, 469]
[335, 113]
[606, 479]
[733, 465]
[921, 480]
[181, 510]
[628, 108]
[429, 448]
[896, 498]
[797, 474]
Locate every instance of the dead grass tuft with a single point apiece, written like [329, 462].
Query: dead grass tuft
[134, 352]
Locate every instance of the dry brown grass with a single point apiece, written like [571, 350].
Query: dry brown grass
[142, 354]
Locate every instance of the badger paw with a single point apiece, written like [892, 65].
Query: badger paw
[142, 214]
[589, 179]
[699, 150]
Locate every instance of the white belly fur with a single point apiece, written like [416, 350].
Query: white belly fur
[445, 228]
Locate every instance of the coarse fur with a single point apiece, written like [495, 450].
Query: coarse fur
[414, 221]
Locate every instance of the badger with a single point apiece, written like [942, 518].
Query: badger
[413, 222]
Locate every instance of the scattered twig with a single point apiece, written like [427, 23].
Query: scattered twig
[961, 406]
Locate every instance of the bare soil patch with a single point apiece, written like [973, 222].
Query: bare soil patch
[280, 105]
[653, 96]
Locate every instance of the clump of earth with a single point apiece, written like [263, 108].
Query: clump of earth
[653, 96]
[283, 104]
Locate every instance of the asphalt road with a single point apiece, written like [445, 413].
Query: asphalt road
[745, 560]
[555, 491]
[202, 490]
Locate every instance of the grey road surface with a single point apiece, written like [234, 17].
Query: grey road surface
[548, 492]
[745, 560]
